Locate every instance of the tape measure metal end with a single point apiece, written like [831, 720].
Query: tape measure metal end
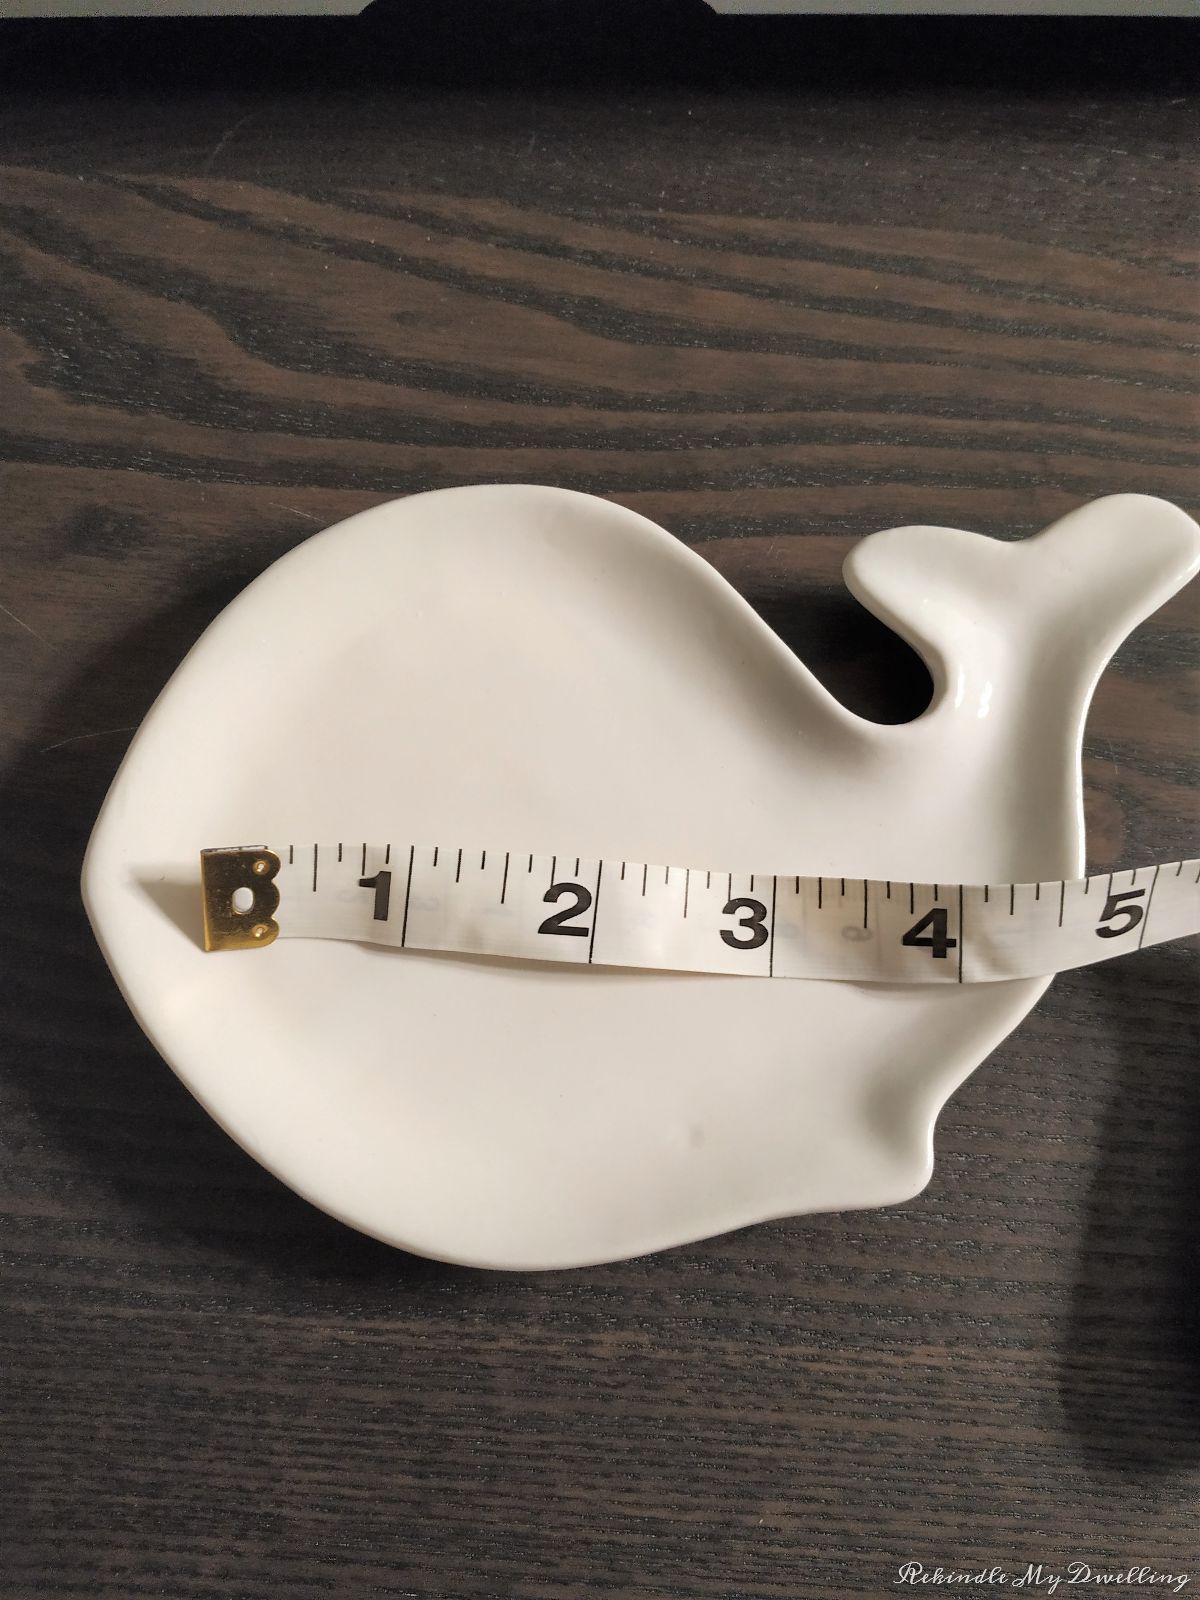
[240, 898]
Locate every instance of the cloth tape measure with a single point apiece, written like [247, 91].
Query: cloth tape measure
[588, 911]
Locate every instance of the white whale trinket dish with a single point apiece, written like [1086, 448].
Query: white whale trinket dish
[540, 667]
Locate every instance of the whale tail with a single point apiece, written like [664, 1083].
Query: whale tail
[1067, 596]
[1015, 635]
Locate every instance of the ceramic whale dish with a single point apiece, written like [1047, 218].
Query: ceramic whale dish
[539, 668]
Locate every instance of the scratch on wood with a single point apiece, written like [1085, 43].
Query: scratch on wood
[26, 626]
[74, 738]
[295, 510]
[224, 140]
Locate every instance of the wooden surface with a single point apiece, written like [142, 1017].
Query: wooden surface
[775, 294]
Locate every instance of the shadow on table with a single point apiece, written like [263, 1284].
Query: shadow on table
[607, 44]
[1130, 1361]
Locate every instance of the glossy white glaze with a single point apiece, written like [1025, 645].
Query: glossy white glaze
[540, 668]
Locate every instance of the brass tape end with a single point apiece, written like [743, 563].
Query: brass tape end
[239, 897]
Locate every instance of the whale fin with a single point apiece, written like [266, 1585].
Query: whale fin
[1069, 594]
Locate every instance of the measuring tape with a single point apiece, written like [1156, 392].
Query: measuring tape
[586, 911]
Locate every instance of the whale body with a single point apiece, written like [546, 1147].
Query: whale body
[543, 670]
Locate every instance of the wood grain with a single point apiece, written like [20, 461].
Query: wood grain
[774, 306]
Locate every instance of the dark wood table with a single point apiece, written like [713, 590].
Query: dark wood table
[776, 285]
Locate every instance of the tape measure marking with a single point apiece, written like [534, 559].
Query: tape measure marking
[686, 920]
